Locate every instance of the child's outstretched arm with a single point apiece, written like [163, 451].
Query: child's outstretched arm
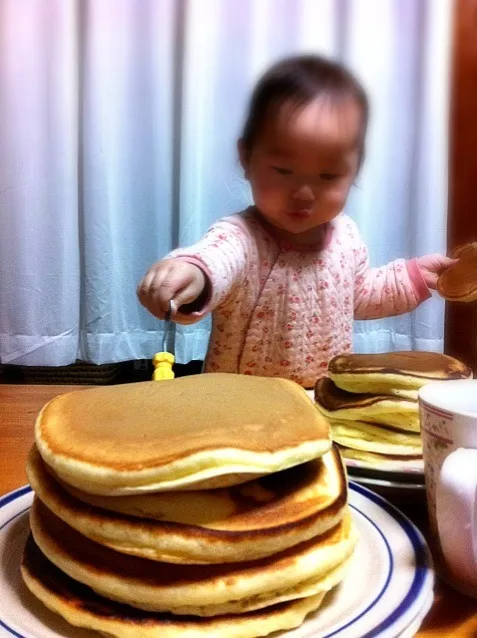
[199, 278]
[396, 288]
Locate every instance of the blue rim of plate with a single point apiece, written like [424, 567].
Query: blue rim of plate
[423, 571]
[422, 558]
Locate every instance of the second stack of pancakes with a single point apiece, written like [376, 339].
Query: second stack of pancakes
[208, 506]
[371, 403]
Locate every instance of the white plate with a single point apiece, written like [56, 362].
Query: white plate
[413, 628]
[387, 466]
[386, 593]
[388, 482]
[376, 483]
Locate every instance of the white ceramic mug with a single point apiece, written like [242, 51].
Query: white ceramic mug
[449, 431]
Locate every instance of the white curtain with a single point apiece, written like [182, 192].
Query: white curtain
[118, 124]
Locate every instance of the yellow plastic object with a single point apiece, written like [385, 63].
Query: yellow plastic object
[162, 362]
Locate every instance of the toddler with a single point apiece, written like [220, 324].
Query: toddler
[285, 278]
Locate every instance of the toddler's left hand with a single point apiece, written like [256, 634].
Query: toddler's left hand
[432, 266]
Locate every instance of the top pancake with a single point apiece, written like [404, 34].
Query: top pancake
[459, 282]
[202, 431]
[422, 365]
[394, 373]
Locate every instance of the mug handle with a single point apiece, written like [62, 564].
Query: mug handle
[456, 510]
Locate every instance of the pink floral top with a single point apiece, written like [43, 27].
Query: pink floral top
[283, 311]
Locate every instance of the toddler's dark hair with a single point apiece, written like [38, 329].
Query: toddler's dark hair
[299, 80]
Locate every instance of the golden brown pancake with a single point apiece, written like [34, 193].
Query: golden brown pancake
[199, 431]
[337, 404]
[459, 282]
[234, 524]
[394, 373]
[384, 462]
[377, 438]
[204, 589]
[82, 607]
[458, 251]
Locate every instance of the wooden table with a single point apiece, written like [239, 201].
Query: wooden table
[452, 615]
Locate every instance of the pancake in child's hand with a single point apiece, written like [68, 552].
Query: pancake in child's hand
[459, 282]
[195, 432]
[458, 251]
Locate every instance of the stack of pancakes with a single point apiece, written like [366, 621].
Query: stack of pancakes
[371, 403]
[211, 505]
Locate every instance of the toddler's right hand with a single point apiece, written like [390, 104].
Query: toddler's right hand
[170, 280]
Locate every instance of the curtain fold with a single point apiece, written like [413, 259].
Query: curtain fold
[118, 128]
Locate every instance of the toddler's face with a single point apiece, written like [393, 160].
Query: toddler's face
[303, 164]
